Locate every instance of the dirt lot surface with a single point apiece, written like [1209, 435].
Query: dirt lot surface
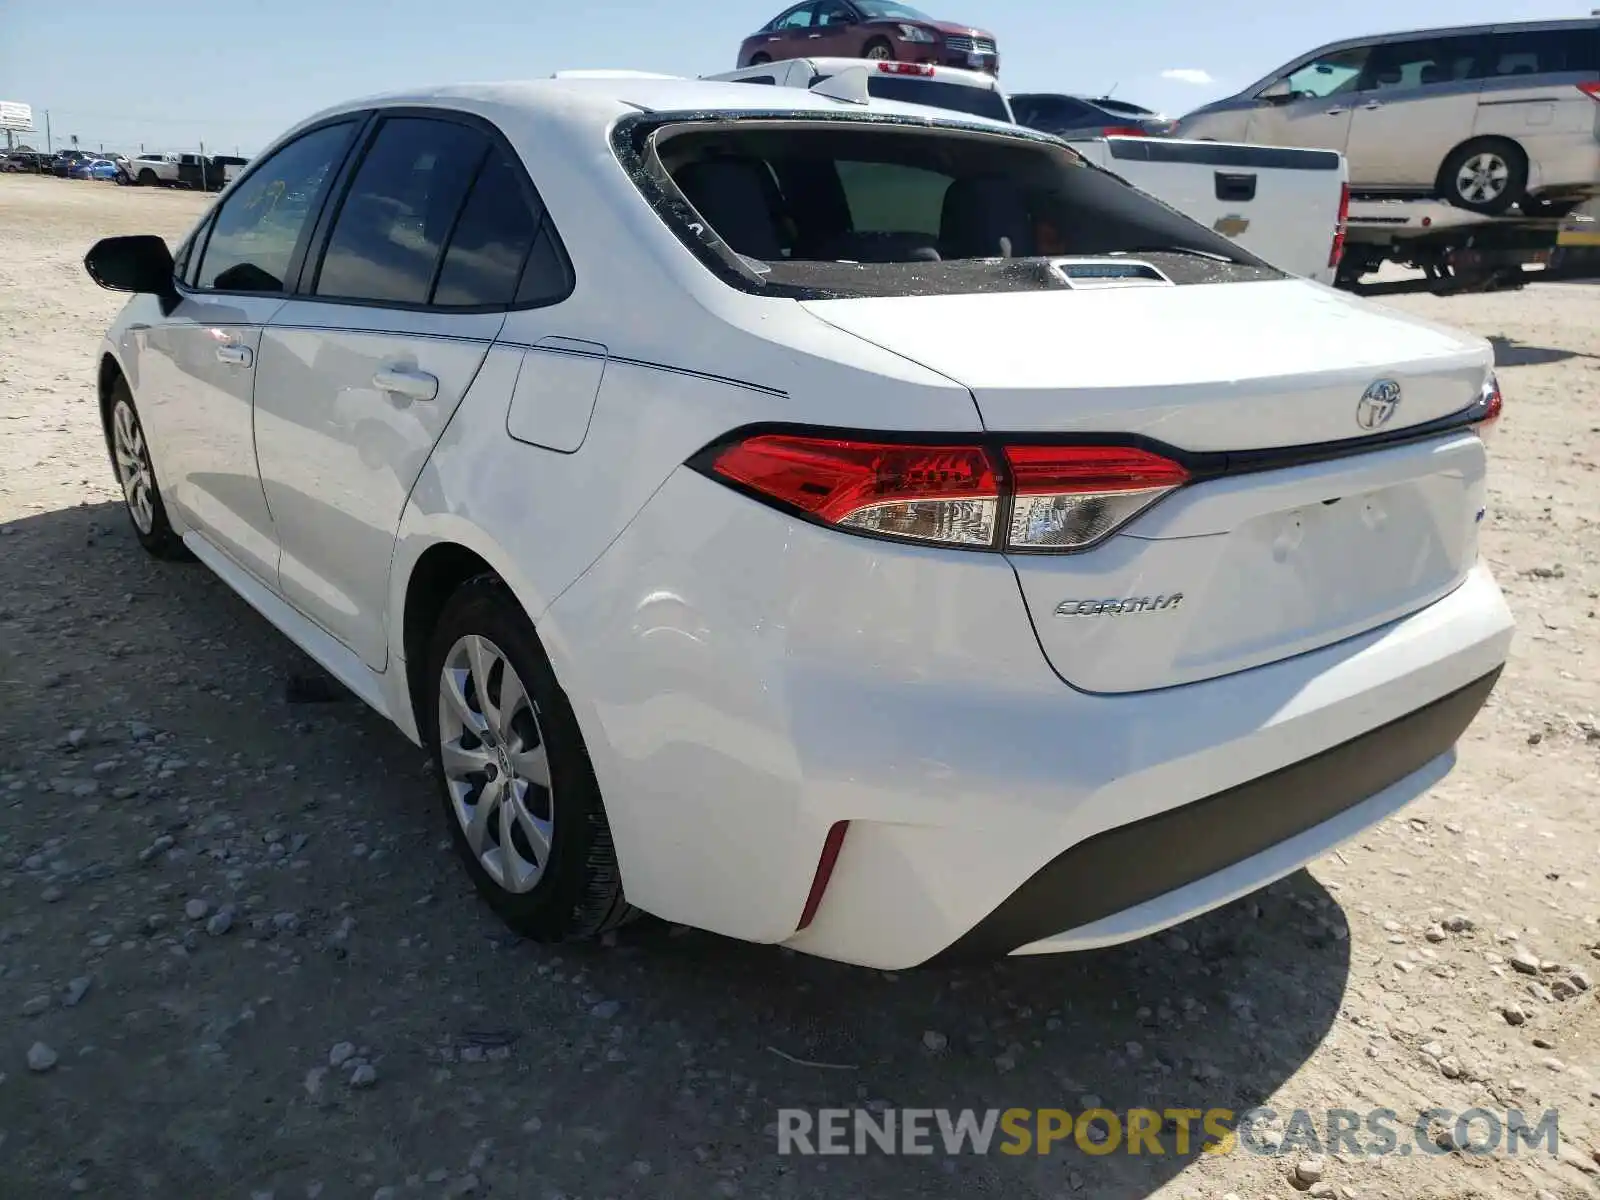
[238, 960]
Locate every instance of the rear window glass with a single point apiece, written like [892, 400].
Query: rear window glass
[957, 97]
[821, 206]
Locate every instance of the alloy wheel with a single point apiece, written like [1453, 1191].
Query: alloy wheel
[879, 53]
[495, 764]
[134, 471]
[1483, 177]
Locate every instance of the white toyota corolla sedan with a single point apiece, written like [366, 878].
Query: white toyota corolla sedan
[872, 533]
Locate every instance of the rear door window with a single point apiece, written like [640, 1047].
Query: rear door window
[388, 238]
[492, 239]
[1395, 66]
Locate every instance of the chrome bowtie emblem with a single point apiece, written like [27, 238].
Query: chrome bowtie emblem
[1378, 404]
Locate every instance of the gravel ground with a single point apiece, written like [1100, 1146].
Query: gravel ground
[238, 960]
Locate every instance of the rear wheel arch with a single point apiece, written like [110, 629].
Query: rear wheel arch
[436, 576]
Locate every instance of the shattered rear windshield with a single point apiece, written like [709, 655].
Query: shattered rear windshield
[854, 207]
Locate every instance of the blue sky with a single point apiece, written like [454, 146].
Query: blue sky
[173, 73]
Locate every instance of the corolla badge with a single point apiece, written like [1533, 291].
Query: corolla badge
[1117, 608]
[1378, 404]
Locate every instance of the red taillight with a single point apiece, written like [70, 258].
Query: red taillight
[1061, 497]
[1337, 250]
[1123, 131]
[905, 68]
[1591, 90]
[1493, 404]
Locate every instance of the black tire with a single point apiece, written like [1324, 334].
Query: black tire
[1498, 154]
[160, 539]
[579, 895]
[760, 60]
[882, 45]
[148, 178]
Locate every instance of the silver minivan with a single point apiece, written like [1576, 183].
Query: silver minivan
[1484, 116]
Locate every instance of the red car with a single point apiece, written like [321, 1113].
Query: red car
[877, 29]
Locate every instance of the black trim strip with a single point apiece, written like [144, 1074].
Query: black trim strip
[1217, 154]
[1201, 465]
[1129, 865]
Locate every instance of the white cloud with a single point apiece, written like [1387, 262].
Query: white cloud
[1188, 75]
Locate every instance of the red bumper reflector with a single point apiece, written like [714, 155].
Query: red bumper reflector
[831, 846]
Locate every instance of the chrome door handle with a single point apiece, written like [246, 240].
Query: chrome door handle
[235, 355]
[402, 381]
[1334, 112]
[1373, 104]
[815, 35]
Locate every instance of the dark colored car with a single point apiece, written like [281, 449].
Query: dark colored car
[64, 160]
[878, 29]
[1073, 116]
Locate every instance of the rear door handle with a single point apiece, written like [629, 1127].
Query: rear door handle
[235, 355]
[815, 35]
[1334, 112]
[403, 381]
[1373, 104]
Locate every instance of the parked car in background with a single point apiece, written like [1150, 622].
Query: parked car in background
[33, 162]
[972, 92]
[850, 526]
[210, 173]
[151, 169]
[62, 162]
[876, 29]
[93, 168]
[1485, 117]
[1073, 116]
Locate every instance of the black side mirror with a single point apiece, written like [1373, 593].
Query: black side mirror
[140, 264]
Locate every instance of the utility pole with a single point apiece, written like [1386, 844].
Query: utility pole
[49, 148]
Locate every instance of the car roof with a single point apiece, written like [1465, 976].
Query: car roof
[599, 99]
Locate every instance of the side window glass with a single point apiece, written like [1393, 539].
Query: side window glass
[253, 237]
[404, 200]
[800, 18]
[188, 259]
[1329, 74]
[1407, 65]
[491, 241]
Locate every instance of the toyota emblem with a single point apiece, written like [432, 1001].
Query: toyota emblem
[1377, 404]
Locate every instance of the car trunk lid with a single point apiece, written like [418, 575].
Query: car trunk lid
[1253, 561]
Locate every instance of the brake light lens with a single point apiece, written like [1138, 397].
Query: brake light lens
[1050, 498]
[1337, 251]
[1591, 90]
[1123, 131]
[1493, 404]
[943, 494]
[906, 68]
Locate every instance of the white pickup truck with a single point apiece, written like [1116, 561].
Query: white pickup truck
[150, 169]
[1283, 204]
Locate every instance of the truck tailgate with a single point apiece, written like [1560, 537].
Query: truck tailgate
[1281, 203]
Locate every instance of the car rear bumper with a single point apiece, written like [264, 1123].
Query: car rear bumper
[746, 682]
[1564, 167]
